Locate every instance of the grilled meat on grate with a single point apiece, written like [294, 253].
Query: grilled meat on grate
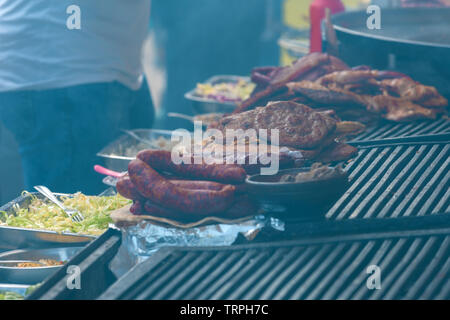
[300, 127]
[320, 80]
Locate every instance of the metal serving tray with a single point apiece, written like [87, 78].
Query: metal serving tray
[202, 105]
[94, 263]
[12, 238]
[34, 275]
[120, 152]
[16, 288]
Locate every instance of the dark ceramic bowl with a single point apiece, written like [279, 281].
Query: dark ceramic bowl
[296, 200]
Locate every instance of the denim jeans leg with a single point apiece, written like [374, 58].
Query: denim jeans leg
[36, 119]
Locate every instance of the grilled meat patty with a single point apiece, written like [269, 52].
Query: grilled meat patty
[299, 126]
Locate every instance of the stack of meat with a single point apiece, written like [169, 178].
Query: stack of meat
[159, 187]
[323, 81]
[189, 191]
[272, 81]
[314, 134]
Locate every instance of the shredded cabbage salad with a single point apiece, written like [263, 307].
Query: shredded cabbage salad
[226, 91]
[8, 295]
[44, 215]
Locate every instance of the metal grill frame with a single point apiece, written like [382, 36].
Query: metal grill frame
[327, 268]
[389, 181]
[401, 131]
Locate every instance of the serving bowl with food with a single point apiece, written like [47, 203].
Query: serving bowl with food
[124, 149]
[33, 266]
[307, 190]
[220, 94]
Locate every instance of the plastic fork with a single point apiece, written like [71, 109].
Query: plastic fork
[74, 215]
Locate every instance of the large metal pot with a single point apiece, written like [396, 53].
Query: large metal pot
[415, 41]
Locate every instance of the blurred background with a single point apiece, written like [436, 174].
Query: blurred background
[190, 41]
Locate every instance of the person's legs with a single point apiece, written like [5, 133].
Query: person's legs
[40, 125]
[142, 111]
[99, 112]
[60, 131]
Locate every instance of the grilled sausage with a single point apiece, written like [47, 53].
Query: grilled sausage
[243, 207]
[151, 185]
[153, 209]
[137, 208]
[198, 185]
[161, 160]
[126, 189]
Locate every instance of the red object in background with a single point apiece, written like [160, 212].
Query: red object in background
[317, 13]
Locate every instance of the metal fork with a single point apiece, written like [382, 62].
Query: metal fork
[75, 215]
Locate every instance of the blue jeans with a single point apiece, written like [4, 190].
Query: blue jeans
[60, 131]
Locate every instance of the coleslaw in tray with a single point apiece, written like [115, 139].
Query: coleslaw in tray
[43, 215]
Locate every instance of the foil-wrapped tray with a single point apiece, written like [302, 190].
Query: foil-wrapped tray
[144, 235]
[12, 238]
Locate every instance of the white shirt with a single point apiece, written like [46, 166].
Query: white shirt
[38, 51]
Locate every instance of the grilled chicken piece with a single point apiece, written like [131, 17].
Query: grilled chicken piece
[337, 152]
[398, 109]
[358, 76]
[349, 128]
[299, 67]
[357, 88]
[272, 81]
[341, 78]
[413, 91]
[323, 95]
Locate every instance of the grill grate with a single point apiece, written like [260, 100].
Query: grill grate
[95, 275]
[396, 181]
[402, 130]
[413, 265]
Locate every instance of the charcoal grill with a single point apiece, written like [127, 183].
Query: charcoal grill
[414, 265]
[401, 132]
[394, 214]
[396, 181]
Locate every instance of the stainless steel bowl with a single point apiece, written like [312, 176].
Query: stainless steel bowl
[31, 276]
[202, 105]
[121, 151]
